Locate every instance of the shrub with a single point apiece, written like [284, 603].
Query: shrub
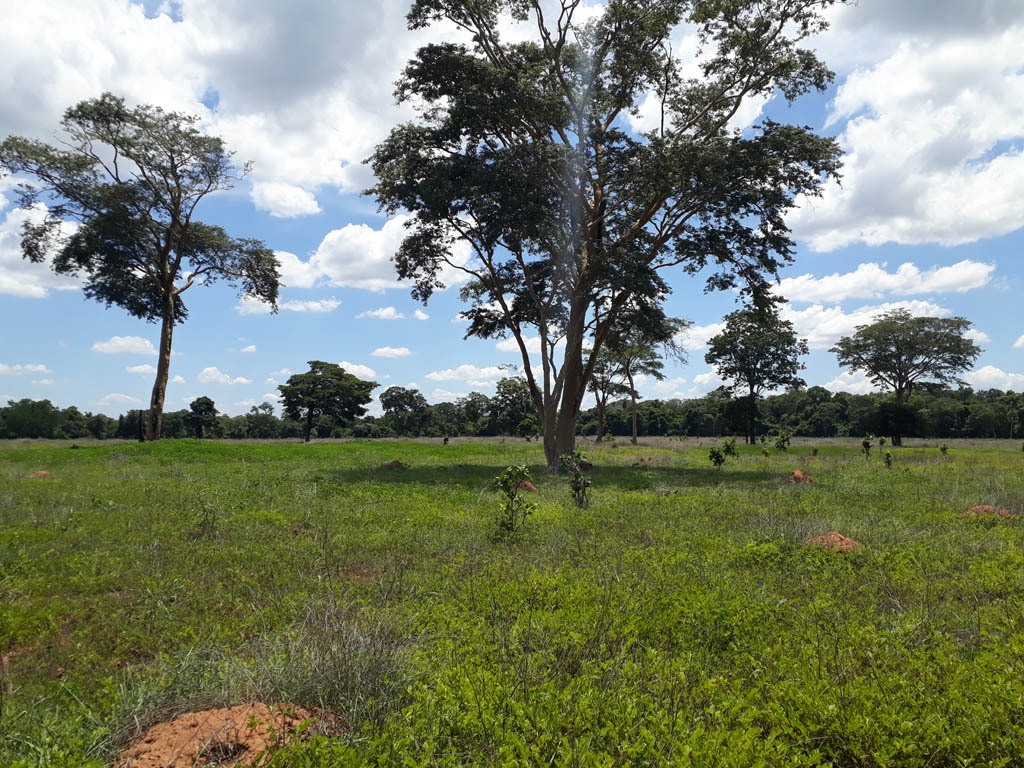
[716, 457]
[514, 508]
[729, 447]
[782, 438]
[888, 459]
[865, 446]
[579, 481]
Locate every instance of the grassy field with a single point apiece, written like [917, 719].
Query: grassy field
[680, 620]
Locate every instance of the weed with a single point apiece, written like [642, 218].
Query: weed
[514, 509]
[579, 482]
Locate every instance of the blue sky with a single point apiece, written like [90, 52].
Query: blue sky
[928, 103]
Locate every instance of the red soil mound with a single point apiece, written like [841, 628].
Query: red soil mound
[222, 737]
[987, 509]
[40, 475]
[834, 541]
[396, 464]
[526, 485]
[800, 478]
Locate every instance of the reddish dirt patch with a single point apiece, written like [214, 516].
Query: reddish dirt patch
[834, 541]
[526, 485]
[799, 477]
[396, 464]
[222, 737]
[984, 510]
[40, 475]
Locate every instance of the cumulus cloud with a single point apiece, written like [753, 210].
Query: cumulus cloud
[362, 371]
[474, 376]
[391, 352]
[253, 306]
[42, 382]
[979, 337]
[384, 313]
[212, 375]
[22, 278]
[932, 140]
[177, 380]
[696, 336]
[856, 383]
[294, 272]
[1019, 343]
[284, 201]
[705, 382]
[444, 396]
[421, 315]
[117, 398]
[991, 377]
[125, 345]
[144, 368]
[248, 349]
[19, 369]
[824, 326]
[872, 281]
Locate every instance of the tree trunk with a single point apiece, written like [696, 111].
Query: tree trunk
[632, 398]
[897, 438]
[163, 368]
[600, 421]
[751, 420]
[573, 388]
[309, 423]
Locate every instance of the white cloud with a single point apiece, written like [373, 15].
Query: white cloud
[445, 396]
[872, 281]
[294, 272]
[391, 352]
[212, 375]
[362, 371]
[1019, 343]
[991, 377]
[421, 315]
[43, 382]
[705, 382]
[284, 201]
[856, 383]
[511, 345]
[253, 306]
[978, 336]
[472, 375]
[177, 380]
[384, 313]
[116, 398]
[359, 256]
[19, 277]
[271, 397]
[823, 326]
[248, 349]
[125, 345]
[144, 368]
[932, 143]
[19, 369]
[696, 336]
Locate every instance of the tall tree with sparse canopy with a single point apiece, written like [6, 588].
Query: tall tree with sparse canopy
[757, 351]
[606, 382]
[325, 389]
[122, 191]
[527, 154]
[899, 351]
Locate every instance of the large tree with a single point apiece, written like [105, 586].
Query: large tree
[900, 351]
[527, 153]
[407, 409]
[325, 389]
[757, 351]
[201, 417]
[606, 382]
[122, 190]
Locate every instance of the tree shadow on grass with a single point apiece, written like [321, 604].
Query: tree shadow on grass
[481, 476]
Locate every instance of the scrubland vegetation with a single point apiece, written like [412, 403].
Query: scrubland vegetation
[679, 618]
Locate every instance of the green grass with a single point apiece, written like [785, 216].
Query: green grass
[680, 620]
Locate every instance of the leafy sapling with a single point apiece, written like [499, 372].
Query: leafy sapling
[717, 457]
[729, 447]
[782, 438]
[514, 509]
[865, 446]
[888, 459]
[575, 464]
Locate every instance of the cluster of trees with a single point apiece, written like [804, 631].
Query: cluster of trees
[517, 153]
[933, 411]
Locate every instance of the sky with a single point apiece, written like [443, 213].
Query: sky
[927, 104]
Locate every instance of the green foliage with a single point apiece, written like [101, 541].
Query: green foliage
[514, 507]
[944, 448]
[782, 439]
[729, 447]
[717, 457]
[865, 446]
[202, 416]
[324, 390]
[131, 179]
[574, 464]
[888, 459]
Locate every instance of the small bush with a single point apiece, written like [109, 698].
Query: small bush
[514, 508]
[944, 448]
[579, 481]
[782, 438]
[865, 446]
[729, 447]
[717, 457]
[888, 459]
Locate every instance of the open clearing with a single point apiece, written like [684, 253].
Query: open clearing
[680, 620]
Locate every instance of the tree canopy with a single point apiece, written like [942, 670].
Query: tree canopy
[326, 389]
[121, 193]
[757, 351]
[899, 351]
[522, 152]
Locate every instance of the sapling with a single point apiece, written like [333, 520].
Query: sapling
[944, 448]
[729, 447]
[717, 457]
[514, 509]
[888, 459]
[865, 446]
[579, 482]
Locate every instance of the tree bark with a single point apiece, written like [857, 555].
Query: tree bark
[751, 419]
[309, 423]
[600, 420]
[632, 398]
[573, 387]
[163, 367]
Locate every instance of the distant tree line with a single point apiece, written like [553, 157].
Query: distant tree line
[934, 412]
